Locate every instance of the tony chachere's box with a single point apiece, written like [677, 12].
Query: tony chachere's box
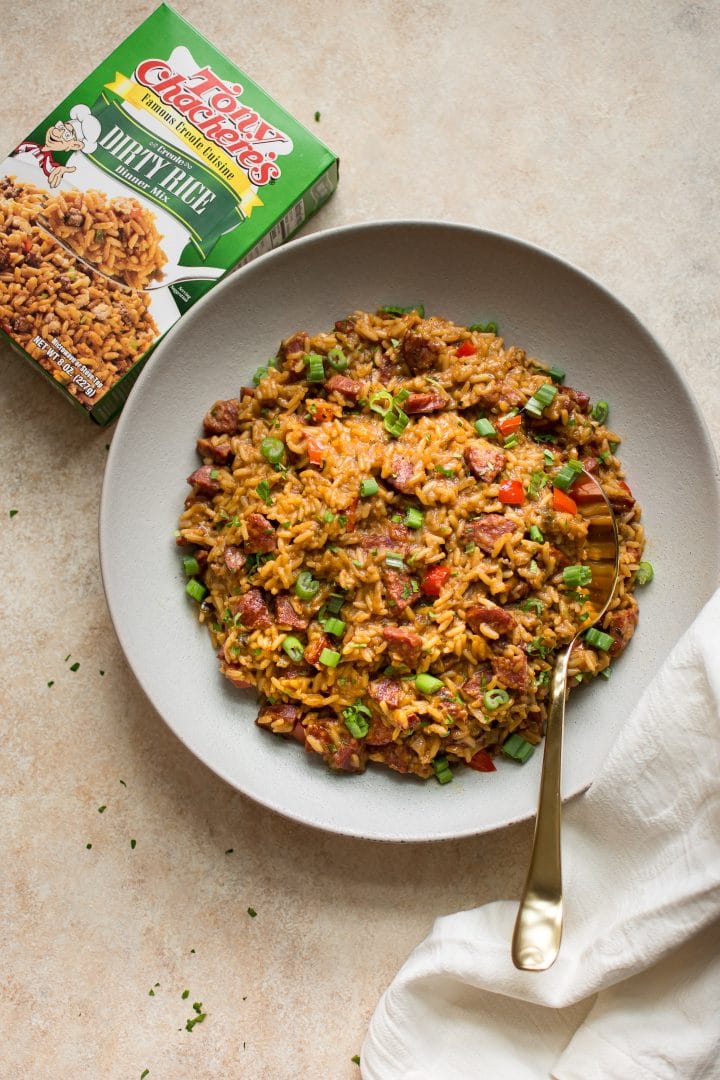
[163, 171]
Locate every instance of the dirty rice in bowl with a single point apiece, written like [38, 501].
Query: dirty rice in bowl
[384, 540]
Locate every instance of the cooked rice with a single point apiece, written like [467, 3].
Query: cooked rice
[502, 610]
[116, 235]
[46, 293]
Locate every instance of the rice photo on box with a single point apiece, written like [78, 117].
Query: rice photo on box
[384, 539]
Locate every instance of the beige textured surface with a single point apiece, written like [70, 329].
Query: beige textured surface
[592, 130]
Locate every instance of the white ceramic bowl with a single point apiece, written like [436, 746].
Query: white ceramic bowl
[540, 303]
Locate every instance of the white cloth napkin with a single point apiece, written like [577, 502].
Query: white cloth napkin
[635, 991]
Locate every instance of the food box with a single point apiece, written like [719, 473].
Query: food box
[163, 171]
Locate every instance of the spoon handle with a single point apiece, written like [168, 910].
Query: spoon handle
[538, 927]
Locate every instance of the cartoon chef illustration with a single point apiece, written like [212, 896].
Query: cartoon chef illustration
[80, 132]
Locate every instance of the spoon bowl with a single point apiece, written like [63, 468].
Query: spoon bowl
[538, 926]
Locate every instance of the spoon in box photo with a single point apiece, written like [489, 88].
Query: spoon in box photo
[181, 274]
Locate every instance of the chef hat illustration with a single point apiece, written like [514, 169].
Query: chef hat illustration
[87, 127]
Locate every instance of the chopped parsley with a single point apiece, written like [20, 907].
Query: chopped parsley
[393, 309]
[533, 604]
[252, 912]
[538, 480]
[185, 995]
[75, 666]
[263, 490]
[51, 683]
[317, 117]
[13, 513]
[132, 844]
[538, 646]
[229, 851]
[355, 1059]
[102, 809]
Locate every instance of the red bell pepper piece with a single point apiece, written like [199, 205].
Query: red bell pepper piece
[482, 762]
[511, 493]
[508, 424]
[434, 580]
[466, 349]
[314, 452]
[564, 503]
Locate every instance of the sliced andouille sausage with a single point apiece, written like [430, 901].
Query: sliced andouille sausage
[261, 535]
[485, 462]
[487, 529]
[512, 671]
[222, 418]
[204, 480]
[496, 618]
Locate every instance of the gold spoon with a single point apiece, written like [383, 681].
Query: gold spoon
[538, 927]
[189, 273]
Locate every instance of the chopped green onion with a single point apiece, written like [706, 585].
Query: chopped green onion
[196, 589]
[443, 772]
[272, 450]
[568, 474]
[645, 573]
[512, 440]
[259, 375]
[190, 565]
[394, 342]
[536, 535]
[396, 421]
[381, 402]
[328, 516]
[556, 374]
[337, 359]
[533, 566]
[333, 626]
[518, 748]
[484, 328]
[613, 446]
[334, 603]
[395, 561]
[354, 717]
[548, 457]
[606, 672]
[533, 604]
[401, 396]
[396, 519]
[544, 437]
[444, 471]
[368, 487]
[604, 456]
[427, 684]
[600, 412]
[329, 658]
[414, 518]
[263, 490]
[306, 587]
[493, 699]
[484, 427]
[469, 548]
[314, 363]
[540, 399]
[578, 575]
[294, 648]
[393, 309]
[599, 639]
